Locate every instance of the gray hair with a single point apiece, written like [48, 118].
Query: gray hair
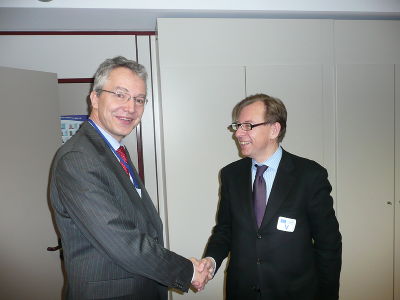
[110, 64]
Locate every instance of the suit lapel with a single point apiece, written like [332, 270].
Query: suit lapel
[244, 180]
[281, 187]
[146, 200]
[109, 159]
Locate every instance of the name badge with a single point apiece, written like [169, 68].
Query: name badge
[286, 224]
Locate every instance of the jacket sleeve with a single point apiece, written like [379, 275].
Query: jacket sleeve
[219, 243]
[326, 236]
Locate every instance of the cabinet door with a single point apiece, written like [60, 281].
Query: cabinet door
[30, 134]
[197, 104]
[307, 94]
[365, 186]
[70, 56]
[397, 189]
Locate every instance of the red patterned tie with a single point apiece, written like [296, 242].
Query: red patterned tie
[121, 151]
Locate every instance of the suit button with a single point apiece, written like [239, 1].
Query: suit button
[259, 236]
[259, 261]
[156, 239]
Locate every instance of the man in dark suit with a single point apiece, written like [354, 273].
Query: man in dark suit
[111, 233]
[288, 245]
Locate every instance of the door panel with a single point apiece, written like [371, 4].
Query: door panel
[397, 186]
[30, 133]
[197, 105]
[302, 95]
[365, 168]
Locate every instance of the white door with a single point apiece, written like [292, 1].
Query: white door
[197, 105]
[310, 120]
[365, 186]
[30, 135]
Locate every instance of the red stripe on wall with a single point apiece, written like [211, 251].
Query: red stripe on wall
[77, 33]
[75, 80]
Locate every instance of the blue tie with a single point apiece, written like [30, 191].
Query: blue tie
[260, 194]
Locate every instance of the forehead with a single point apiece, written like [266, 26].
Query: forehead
[124, 77]
[252, 112]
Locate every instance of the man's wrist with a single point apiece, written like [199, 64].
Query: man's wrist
[213, 263]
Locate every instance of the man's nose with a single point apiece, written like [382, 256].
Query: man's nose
[239, 132]
[129, 106]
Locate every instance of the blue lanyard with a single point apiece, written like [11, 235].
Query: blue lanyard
[135, 183]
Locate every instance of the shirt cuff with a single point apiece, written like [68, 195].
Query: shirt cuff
[214, 264]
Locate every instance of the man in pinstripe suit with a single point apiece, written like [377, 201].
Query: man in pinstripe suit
[111, 233]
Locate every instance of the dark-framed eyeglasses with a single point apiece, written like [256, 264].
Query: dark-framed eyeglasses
[125, 97]
[245, 126]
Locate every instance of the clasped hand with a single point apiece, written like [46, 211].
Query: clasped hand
[204, 270]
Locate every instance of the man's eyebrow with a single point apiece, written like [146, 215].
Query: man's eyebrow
[121, 88]
[125, 90]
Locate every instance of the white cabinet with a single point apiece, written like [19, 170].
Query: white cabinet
[365, 179]
[341, 87]
[300, 88]
[29, 127]
[196, 110]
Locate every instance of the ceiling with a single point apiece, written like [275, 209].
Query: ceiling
[131, 15]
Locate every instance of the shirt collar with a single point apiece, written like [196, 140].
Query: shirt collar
[113, 142]
[273, 161]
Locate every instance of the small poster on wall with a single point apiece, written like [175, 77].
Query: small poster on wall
[70, 124]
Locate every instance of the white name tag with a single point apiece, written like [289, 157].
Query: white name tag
[286, 224]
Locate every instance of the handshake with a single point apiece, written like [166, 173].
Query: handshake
[203, 272]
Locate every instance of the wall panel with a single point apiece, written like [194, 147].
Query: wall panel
[397, 186]
[365, 160]
[303, 101]
[70, 56]
[244, 42]
[285, 58]
[196, 108]
[310, 126]
[29, 127]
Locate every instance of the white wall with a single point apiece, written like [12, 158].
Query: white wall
[28, 127]
[298, 61]
[78, 56]
[69, 56]
[248, 56]
[252, 5]
[141, 15]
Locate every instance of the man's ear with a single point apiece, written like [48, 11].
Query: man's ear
[275, 130]
[94, 100]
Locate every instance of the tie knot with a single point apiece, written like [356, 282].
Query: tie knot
[121, 151]
[260, 170]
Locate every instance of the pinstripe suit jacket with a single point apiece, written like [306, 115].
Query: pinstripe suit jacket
[112, 238]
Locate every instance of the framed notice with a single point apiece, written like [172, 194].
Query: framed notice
[70, 124]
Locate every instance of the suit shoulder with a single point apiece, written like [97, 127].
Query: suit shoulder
[237, 165]
[305, 163]
[80, 142]
[75, 143]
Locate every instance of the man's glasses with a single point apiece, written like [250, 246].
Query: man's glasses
[125, 97]
[245, 126]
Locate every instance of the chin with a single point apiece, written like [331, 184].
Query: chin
[244, 153]
[126, 130]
